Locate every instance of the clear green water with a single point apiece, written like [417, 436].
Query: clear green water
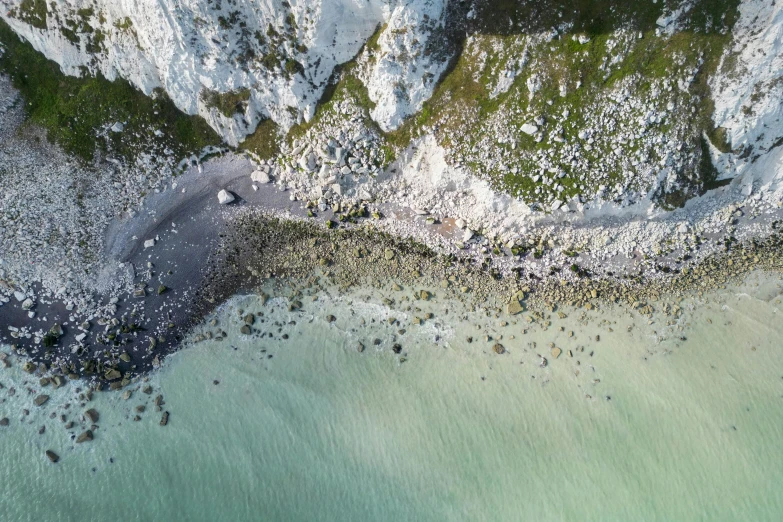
[693, 429]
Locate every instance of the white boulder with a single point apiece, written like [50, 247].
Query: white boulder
[529, 128]
[225, 197]
[259, 176]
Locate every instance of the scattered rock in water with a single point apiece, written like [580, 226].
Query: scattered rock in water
[112, 374]
[40, 400]
[514, 307]
[29, 367]
[162, 289]
[499, 349]
[125, 357]
[92, 415]
[396, 348]
[85, 436]
[52, 456]
[164, 419]
[250, 319]
[360, 348]
[4, 421]
[245, 330]
[330, 318]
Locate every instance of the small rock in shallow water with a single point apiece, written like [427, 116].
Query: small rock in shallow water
[514, 307]
[91, 415]
[85, 436]
[52, 456]
[164, 419]
[4, 421]
[41, 400]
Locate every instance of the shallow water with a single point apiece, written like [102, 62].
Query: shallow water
[662, 422]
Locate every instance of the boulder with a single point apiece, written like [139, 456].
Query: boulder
[56, 330]
[259, 176]
[40, 400]
[529, 128]
[52, 456]
[4, 421]
[514, 307]
[91, 415]
[164, 418]
[556, 352]
[499, 349]
[85, 436]
[149, 243]
[225, 197]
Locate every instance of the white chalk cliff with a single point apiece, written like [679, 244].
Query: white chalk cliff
[285, 51]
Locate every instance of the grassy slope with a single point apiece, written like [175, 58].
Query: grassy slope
[73, 110]
[462, 98]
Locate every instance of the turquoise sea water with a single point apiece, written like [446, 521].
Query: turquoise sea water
[680, 421]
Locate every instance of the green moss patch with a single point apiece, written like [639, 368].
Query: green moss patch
[75, 111]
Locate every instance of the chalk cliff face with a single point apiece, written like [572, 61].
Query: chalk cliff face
[282, 51]
[748, 92]
[578, 109]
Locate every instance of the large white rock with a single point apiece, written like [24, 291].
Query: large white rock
[259, 176]
[225, 197]
[529, 128]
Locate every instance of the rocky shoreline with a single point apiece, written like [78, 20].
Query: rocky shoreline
[128, 260]
[188, 275]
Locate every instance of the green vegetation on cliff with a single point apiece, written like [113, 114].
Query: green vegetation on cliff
[76, 112]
